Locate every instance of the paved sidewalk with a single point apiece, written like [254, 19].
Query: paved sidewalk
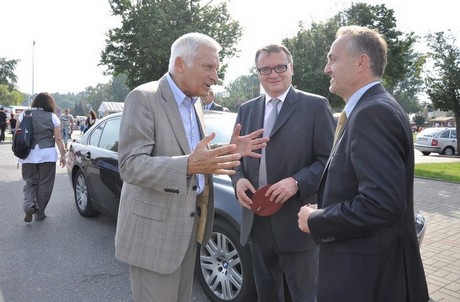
[439, 202]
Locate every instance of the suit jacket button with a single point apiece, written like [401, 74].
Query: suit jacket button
[194, 188]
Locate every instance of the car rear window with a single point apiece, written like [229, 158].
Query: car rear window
[430, 132]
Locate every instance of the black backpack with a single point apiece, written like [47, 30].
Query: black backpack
[22, 137]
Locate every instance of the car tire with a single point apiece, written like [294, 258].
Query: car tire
[224, 266]
[449, 151]
[426, 153]
[82, 198]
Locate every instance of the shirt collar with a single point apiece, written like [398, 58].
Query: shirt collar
[179, 96]
[350, 105]
[281, 97]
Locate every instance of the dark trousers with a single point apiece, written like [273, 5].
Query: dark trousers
[271, 263]
[39, 185]
[2, 131]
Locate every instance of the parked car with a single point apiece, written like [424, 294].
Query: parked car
[224, 266]
[437, 140]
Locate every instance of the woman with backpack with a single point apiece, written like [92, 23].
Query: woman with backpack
[39, 167]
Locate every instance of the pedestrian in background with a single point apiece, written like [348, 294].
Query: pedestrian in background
[365, 222]
[293, 161]
[67, 125]
[13, 122]
[2, 124]
[167, 201]
[92, 118]
[209, 102]
[39, 167]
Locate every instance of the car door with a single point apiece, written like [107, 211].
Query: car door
[102, 171]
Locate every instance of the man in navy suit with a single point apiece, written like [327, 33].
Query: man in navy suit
[209, 102]
[300, 143]
[365, 225]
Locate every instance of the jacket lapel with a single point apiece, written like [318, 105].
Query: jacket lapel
[172, 112]
[288, 107]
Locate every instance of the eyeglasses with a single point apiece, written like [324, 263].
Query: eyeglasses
[277, 69]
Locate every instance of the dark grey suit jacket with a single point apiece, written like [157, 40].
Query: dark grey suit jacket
[369, 250]
[300, 143]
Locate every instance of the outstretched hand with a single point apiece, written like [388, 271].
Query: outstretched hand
[247, 144]
[220, 160]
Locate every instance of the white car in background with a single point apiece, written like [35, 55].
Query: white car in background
[437, 140]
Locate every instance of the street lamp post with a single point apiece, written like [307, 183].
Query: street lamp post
[33, 71]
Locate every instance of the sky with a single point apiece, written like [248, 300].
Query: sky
[70, 35]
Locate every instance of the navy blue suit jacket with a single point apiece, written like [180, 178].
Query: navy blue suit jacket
[368, 244]
[300, 143]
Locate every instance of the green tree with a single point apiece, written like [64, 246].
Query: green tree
[9, 97]
[443, 81]
[97, 95]
[7, 75]
[140, 48]
[403, 73]
[243, 88]
[118, 89]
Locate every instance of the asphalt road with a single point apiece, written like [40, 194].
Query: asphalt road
[66, 257]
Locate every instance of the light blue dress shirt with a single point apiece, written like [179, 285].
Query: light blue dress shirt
[189, 119]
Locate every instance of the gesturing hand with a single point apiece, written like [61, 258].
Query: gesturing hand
[247, 144]
[220, 160]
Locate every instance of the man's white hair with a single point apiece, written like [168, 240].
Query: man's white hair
[186, 47]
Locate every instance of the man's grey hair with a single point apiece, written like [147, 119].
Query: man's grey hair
[186, 47]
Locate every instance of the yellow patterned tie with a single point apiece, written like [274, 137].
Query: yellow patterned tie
[338, 130]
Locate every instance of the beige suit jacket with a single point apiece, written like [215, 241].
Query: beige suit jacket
[158, 201]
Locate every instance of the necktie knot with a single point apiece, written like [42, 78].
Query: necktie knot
[275, 103]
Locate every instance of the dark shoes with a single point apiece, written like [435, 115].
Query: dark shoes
[29, 214]
[40, 217]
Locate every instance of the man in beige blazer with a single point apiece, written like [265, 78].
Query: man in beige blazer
[167, 200]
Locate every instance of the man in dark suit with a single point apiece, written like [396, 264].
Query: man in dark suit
[365, 225]
[209, 102]
[300, 143]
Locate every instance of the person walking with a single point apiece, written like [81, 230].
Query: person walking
[67, 125]
[91, 120]
[39, 167]
[295, 156]
[365, 222]
[167, 202]
[13, 122]
[2, 124]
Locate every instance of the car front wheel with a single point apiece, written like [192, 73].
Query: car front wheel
[225, 268]
[82, 197]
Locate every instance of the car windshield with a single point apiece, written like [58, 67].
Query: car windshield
[222, 124]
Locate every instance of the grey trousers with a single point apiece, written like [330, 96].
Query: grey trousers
[39, 185]
[149, 286]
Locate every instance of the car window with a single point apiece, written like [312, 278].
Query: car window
[453, 134]
[95, 135]
[445, 134]
[110, 135]
[429, 132]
